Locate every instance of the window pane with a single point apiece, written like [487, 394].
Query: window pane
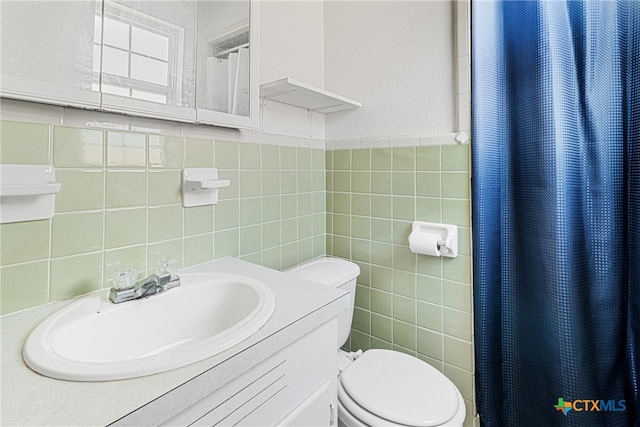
[149, 44]
[116, 33]
[115, 62]
[148, 96]
[122, 91]
[149, 70]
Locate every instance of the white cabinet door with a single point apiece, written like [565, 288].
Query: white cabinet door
[49, 53]
[148, 58]
[297, 386]
[227, 63]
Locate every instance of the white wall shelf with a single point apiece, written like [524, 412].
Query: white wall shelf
[292, 92]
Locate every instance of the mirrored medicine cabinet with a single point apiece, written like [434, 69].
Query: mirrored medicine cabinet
[192, 61]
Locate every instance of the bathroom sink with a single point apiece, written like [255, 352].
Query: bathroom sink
[93, 339]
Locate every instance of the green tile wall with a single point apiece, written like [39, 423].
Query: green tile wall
[412, 303]
[120, 205]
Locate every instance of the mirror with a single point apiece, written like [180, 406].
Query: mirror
[223, 57]
[45, 60]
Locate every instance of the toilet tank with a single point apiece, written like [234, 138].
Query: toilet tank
[337, 273]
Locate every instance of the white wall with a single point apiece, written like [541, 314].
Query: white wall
[292, 45]
[397, 58]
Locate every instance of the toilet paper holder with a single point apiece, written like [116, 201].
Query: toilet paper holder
[447, 243]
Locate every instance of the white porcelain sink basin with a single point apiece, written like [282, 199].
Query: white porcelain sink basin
[93, 339]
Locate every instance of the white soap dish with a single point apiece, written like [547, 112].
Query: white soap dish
[27, 192]
[200, 186]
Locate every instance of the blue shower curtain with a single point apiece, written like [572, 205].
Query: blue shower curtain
[556, 212]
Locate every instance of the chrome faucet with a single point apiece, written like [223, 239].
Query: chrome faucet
[154, 284]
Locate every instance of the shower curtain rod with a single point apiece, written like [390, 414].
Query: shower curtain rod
[233, 49]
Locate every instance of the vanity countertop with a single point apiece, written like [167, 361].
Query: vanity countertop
[28, 398]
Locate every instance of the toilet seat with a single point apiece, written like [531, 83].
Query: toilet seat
[404, 391]
[356, 415]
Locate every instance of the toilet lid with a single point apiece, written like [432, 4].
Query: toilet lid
[400, 388]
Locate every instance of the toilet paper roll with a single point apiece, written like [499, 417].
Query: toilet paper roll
[424, 243]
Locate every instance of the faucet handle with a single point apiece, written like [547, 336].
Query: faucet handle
[167, 265]
[124, 278]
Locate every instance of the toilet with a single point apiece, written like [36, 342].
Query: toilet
[382, 387]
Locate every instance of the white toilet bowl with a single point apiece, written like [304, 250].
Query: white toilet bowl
[383, 387]
[404, 391]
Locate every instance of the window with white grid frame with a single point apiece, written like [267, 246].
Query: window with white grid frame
[140, 55]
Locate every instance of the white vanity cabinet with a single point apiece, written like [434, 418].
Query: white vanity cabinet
[49, 53]
[294, 387]
[183, 60]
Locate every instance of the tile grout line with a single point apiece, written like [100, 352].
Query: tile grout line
[50, 142]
